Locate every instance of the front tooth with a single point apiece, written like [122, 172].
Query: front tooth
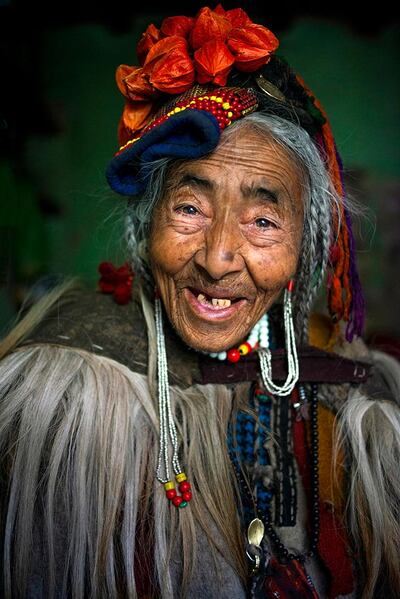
[227, 303]
[201, 298]
[221, 303]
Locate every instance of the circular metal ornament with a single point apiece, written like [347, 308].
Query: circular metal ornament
[268, 88]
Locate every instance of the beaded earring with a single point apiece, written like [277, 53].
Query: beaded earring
[264, 353]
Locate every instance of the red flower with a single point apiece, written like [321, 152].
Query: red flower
[169, 66]
[213, 62]
[134, 117]
[237, 16]
[251, 46]
[209, 25]
[177, 26]
[134, 84]
[184, 51]
[146, 42]
[117, 281]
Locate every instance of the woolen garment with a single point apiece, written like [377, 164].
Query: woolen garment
[93, 322]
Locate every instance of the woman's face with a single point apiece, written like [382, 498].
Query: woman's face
[225, 239]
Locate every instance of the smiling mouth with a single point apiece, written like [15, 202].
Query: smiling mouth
[211, 307]
[217, 299]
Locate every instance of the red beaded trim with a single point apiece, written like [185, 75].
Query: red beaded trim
[226, 104]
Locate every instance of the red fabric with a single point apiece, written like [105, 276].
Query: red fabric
[332, 547]
[287, 581]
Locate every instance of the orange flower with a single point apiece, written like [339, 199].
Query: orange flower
[251, 46]
[177, 26]
[209, 25]
[134, 84]
[134, 117]
[168, 65]
[213, 62]
[237, 16]
[146, 42]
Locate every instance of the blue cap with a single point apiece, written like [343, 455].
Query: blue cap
[188, 134]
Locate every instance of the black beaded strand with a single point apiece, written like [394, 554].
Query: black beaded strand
[314, 470]
[282, 551]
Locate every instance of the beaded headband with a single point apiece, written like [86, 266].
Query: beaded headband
[199, 75]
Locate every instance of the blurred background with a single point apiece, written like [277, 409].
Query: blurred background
[60, 108]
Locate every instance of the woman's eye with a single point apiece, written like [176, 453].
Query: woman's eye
[264, 223]
[188, 209]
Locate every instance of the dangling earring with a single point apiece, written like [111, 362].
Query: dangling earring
[168, 434]
[291, 351]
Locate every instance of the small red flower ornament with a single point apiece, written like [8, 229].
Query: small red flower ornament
[116, 281]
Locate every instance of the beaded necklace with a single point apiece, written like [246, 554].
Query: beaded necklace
[259, 340]
[258, 337]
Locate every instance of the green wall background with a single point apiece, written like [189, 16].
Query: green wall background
[354, 76]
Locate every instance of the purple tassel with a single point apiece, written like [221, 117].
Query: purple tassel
[355, 326]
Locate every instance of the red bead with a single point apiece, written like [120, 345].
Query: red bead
[184, 486]
[290, 285]
[171, 493]
[233, 355]
[187, 496]
[122, 293]
[177, 501]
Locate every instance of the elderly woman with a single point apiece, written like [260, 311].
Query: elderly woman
[212, 437]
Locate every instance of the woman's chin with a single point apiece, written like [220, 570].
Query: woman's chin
[208, 345]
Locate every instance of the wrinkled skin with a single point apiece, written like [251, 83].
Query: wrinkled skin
[228, 226]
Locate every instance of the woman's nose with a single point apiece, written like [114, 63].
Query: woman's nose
[220, 254]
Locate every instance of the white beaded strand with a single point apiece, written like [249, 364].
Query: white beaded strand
[292, 359]
[167, 424]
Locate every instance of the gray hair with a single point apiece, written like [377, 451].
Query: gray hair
[319, 197]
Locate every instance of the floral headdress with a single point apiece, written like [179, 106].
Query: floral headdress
[197, 76]
[185, 51]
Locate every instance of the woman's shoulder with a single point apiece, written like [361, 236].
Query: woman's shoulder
[86, 319]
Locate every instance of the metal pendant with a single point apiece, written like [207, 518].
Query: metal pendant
[268, 88]
[255, 534]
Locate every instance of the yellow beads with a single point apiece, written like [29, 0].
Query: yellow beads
[243, 349]
[180, 477]
[128, 143]
[169, 485]
[226, 105]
